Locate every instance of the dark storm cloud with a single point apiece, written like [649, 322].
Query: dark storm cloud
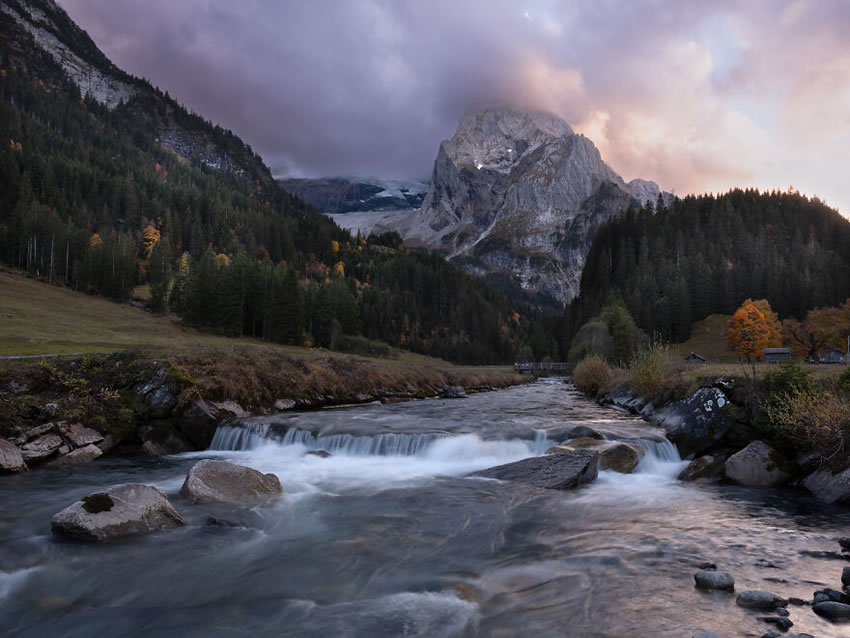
[697, 95]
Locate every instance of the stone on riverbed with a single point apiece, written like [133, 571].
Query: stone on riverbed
[79, 456]
[754, 599]
[41, 448]
[584, 432]
[454, 392]
[614, 456]
[832, 611]
[705, 467]
[10, 458]
[562, 471]
[620, 457]
[757, 465]
[710, 579]
[213, 481]
[123, 510]
[829, 487]
[78, 434]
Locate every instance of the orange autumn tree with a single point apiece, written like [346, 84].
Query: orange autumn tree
[747, 332]
[771, 320]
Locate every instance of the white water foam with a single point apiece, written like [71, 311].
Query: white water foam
[383, 461]
[378, 462]
[9, 581]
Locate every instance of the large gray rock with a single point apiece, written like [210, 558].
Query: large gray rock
[85, 454]
[78, 435]
[710, 579]
[832, 611]
[11, 459]
[123, 510]
[828, 486]
[696, 423]
[41, 448]
[561, 471]
[754, 599]
[757, 465]
[213, 481]
[705, 467]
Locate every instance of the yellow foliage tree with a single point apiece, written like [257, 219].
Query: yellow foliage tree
[150, 238]
[222, 260]
[747, 332]
[771, 319]
[95, 240]
[334, 246]
[339, 269]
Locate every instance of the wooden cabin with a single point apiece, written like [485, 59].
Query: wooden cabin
[695, 359]
[775, 355]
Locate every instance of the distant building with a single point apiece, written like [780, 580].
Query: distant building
[829, 355]
[775, 355]
[694, 358]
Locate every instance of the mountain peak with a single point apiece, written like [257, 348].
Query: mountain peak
[496, 137]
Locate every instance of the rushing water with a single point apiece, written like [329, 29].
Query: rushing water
[388, 537]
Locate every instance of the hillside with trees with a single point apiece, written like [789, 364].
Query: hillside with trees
[102, 199]
[671, 266]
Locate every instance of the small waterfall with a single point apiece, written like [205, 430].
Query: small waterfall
[661, 457]
[541, 443]
[249, 436]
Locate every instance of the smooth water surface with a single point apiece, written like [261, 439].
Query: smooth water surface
[388, 537]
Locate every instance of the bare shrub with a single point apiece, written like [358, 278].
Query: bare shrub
[592, 375]
[816, 420]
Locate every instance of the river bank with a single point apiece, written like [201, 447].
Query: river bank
[72, 411]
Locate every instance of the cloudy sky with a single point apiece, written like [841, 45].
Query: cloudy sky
[698, 96]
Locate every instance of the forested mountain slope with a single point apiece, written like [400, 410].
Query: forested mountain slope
[106, 182]
[706, 254]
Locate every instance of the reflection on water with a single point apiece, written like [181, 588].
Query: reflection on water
[387, 537]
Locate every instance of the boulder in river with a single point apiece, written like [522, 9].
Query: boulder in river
[554, 471]
[836, 612]
[123, 510]
[41, 448]
[757, 465]
[10, 458]
[78, 434]
[828, 486]
[704, 467]
[454, 392]
[620, 457]
[85, 454]
[614, 456]
[710, 579]
[584, 432]
[214, 481]
[754, 599]
[845, 576]
[696, 423]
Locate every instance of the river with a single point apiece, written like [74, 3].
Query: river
[388, 537]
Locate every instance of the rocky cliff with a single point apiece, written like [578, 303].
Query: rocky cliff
[521, 193]
[40, 40]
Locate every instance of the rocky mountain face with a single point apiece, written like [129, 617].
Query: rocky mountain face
[41, 40]
[521, 193]
[336, 195]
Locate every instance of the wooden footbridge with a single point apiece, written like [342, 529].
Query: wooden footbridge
[537, 368]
